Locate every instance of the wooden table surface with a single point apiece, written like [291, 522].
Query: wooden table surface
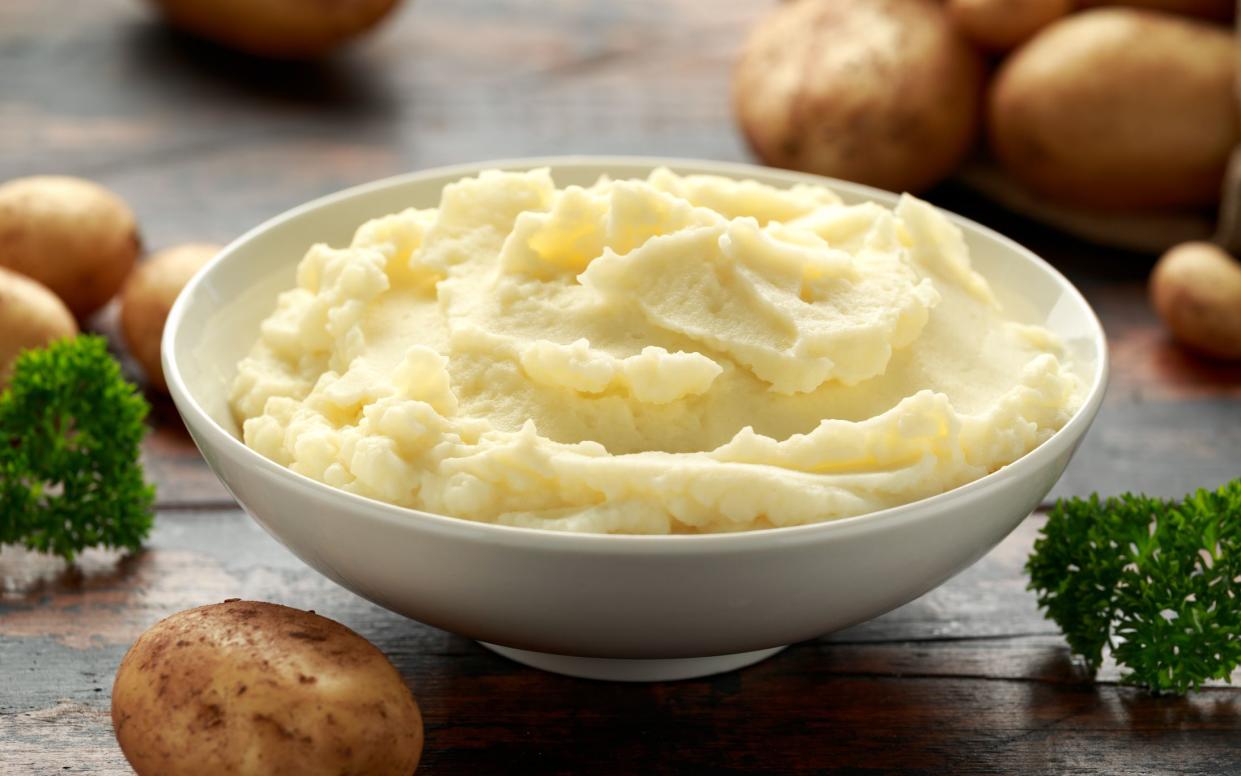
[204, 144]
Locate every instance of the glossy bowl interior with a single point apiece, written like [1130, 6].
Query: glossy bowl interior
[614, 597]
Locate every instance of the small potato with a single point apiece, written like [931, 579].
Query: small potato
[1000, 25]
[1196, 289]
[282, 29]
[1118, 108]
[245, 687]
[148, 296]
[884, 92]
[73, 236]
[31, 316]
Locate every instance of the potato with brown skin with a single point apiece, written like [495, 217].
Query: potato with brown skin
[73, 236]
[148, 296]
[884, 92]
[1118, 108]
[1217, 10]
[280, 29]
[1001, 25]
[1196, 289]
[244, 687]
[31, 316]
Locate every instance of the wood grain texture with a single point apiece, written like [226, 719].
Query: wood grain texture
[967, 679]
[205, 144]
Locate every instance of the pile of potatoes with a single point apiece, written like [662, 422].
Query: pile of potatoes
[1097, 105]
[67, 247]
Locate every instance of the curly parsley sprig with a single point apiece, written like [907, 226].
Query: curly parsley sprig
[70, 430]
[1158, 582]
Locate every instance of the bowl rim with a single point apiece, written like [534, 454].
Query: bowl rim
[204, 425]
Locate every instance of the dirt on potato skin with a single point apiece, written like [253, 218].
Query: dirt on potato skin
[253, 687]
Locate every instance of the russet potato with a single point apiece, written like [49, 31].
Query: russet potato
[883, 92]
[1000, 25]
[1119, 108]
[282, 29]
[148, 296]
[72, 235]
[1196, 289]
[244, 687]
[31, 316]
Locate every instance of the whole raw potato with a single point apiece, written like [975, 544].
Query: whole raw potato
[31, 316]
[148, 296]
[884, 92]
[1196, 289]
[283, 29]
[245, 687]
[1219, 10]
[999, 25]
[1118, 108]
[73, 236]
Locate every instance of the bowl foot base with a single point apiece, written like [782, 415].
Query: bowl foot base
[618, 670]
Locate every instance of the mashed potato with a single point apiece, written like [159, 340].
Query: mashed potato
[670, 355]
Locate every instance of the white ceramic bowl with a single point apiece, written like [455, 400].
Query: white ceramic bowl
[616, 607]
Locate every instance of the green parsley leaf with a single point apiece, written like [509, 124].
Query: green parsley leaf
[1155, 581]
[70, 430]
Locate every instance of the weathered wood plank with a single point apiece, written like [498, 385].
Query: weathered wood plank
[944, 684]
[511, 724]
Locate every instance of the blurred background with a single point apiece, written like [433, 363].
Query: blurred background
[211, 142]
[111, 90]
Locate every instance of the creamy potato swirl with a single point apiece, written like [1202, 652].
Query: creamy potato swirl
[669, 355]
